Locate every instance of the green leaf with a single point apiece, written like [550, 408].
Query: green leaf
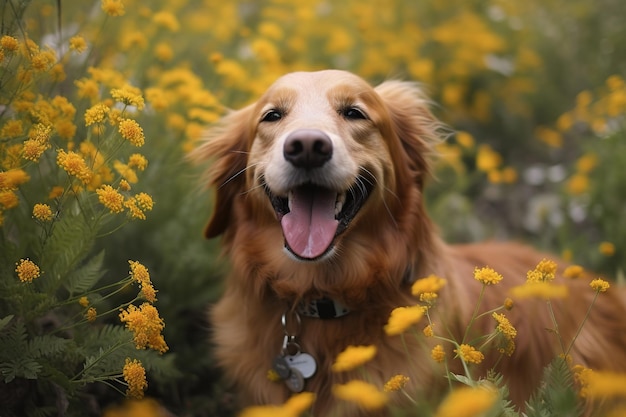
[85, 277]
[4, 321]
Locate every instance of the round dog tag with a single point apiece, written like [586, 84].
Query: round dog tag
[295, 381]
[304, 363]
[281, 366]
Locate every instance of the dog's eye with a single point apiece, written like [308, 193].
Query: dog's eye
[353, 113]
[272, 116]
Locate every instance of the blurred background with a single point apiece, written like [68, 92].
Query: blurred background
[533, 90]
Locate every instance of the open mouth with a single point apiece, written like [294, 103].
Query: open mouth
[313, 216]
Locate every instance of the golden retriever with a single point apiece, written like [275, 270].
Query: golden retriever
[319, 202]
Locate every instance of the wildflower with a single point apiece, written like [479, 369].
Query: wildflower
[465, 139]
[166, 20]
[396, 383]
[438, 354]
[573, 271]
[578, 184]
[27, 270]
[37, 143]
[87, 88]
[293, 407]
[96, 114]
[9, 43]
[8, 199]
[42, 212]
[111, 198]
[508, 304]
[540, 289]
[467, 402]
[547, 268]
[75, 165]
[509, 332]
[401, 318]
[12, 129]
[91, 314]
[362, 393]
[353, 357]
[429, 297]
[78, 44]
[428, 331]
[606, 384]
[146, 326]
[581, 377]
[487, 275]
[487, 159]
[13, 178]
[599, 285]
[129, 95]
[469, 354]
[142, 276]
[56, 192]
[83, 301]
[124, 185]
[137, 161]
[135, 376]
[607, 249]
[113, 7]
[125, 171]
[131, 131]
[431, 283]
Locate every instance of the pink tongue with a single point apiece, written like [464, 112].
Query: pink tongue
[310, 225]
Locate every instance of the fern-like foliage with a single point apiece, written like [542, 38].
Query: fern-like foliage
[556, 395]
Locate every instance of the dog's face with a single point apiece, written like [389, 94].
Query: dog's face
[320, 151]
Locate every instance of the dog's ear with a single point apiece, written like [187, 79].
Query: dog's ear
[413, 123]
[226, 144]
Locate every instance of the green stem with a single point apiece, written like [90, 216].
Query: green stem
[474, 315]
[556, 326]
[580, 328]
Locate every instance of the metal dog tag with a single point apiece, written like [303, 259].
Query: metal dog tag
[303, 362]
[281, 366]
[295, 381]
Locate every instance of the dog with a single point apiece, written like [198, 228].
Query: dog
[320, 208]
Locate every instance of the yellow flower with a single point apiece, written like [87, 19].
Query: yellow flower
[487, 275]
[573, 271]
[87, 88]
[353, 357]
[509, 332]
[91, 314]
[111, 198]
[78, 44]
[508, 304]
[12, 129]
[467, 402]
[146, 326]
[96, 114]
[469, 354]
[131, 131]
[113, 7]
[428, 331]
[83, 301]
[547, 268]
[137, 161]
[125, 171]
[606, 384]
[607, 249]
[124, 185]
[9, 43]
[539, 289]
[128, 95]
[166, 20]
[487, 159]
[27, 270]
[429, 297]
[438, 354]
[293, 407]
[401, 318]
[13, 178]
[8, 199]
[38, 141]
[578, 184]
[135, 376]
[42, 212]
[599, 285]
[362, 393]
[75, 165]
[431, 283]
[396, 383]
[142, 276]
[465, 139]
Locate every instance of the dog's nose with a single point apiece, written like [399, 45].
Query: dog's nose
[308, 148]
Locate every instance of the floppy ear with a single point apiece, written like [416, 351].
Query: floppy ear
[227, 144]
[416, 127]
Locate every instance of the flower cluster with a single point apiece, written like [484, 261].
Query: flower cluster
[146, 325]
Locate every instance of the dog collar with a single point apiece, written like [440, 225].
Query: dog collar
[323, 308]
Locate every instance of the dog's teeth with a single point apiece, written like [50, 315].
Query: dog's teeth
[341, 198]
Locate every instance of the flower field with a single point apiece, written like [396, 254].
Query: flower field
[104, 273]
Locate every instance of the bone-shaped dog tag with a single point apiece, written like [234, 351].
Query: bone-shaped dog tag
[303, 362]
[295, 381]
[281, 366]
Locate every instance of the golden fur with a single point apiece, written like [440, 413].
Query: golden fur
[367, 265]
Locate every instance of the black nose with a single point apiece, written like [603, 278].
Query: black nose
[308, 148]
